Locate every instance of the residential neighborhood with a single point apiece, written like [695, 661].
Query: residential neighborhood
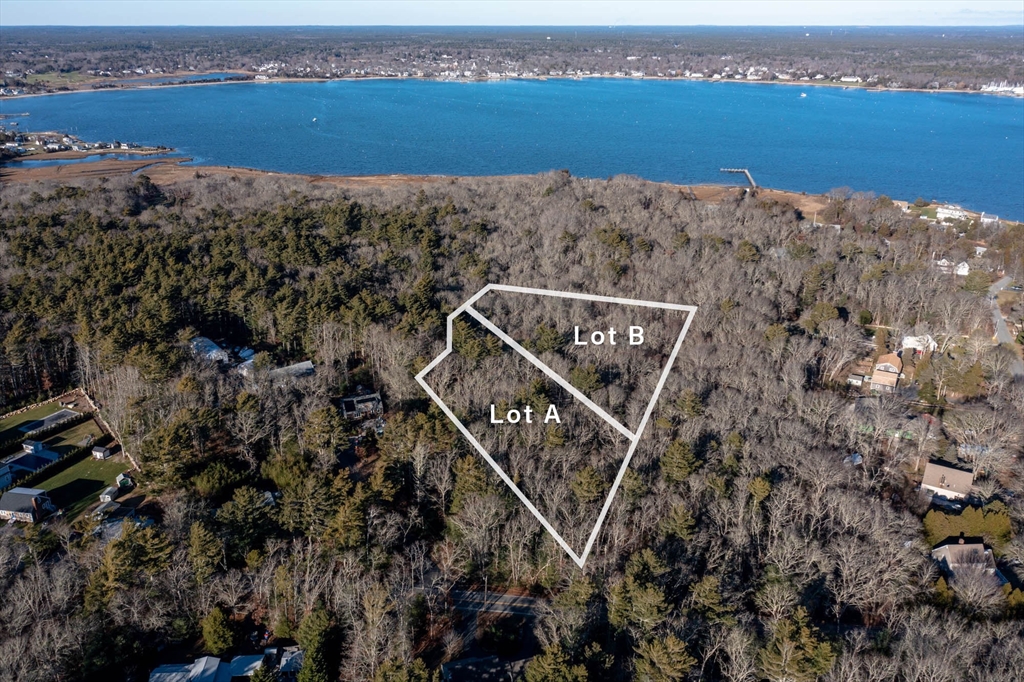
[69, 440]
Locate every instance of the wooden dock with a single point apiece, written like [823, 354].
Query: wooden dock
[750, 178]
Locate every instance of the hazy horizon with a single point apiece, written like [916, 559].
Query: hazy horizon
[549, 14]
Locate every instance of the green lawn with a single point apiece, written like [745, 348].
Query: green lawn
[9, 425]
[73, 438]
[79, 485]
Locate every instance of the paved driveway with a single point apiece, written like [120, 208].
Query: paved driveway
[1002, 331]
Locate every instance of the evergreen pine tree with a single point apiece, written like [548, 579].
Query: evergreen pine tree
[217, 632]
[312, 635]
[663, 660]
[553, 666]
[470, 479]
[205, 551]
[794, 653]
[679, 523]
[265, 673]
[678, 462]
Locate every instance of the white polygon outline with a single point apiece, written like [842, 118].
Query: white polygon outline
[633, 438]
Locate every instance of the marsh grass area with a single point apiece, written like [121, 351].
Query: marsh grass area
[58, 78]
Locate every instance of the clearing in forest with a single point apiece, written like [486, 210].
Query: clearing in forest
[554, 389]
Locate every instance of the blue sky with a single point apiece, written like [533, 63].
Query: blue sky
[511, 13]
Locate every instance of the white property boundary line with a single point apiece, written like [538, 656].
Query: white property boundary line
[634, 438]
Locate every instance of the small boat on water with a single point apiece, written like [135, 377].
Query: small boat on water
[802, 94]
[314, 119]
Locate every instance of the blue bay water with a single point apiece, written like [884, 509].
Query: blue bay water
[966, 149]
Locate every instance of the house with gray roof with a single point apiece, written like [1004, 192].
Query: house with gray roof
[25, 504]
[287, 661]
[962, 554]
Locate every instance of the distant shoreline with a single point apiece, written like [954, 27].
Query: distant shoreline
[815, 84]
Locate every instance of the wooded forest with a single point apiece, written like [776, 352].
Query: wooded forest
[741, 547]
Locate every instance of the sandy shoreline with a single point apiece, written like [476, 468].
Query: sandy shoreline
[71, 155]
[814, 84]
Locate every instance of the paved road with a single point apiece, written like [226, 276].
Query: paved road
[496, 603]
[1002, 331]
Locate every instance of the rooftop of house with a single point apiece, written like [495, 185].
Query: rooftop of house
[36, 448]
[33, 462]
[299, 369]
[923, 342]
[201, 670]
[962, 552]
[213, 669]
[889, 359]
[967, 554]
[883, 378]
[20, 499]
[205, 347]
[291, 660]
[945, 477]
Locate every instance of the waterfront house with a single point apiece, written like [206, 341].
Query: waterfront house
[951, 212]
